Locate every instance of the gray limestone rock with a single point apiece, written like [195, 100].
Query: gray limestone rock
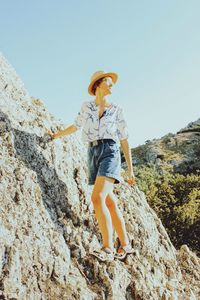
[47, 223]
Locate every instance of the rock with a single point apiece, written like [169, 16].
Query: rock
[48, 225]
[178, 151]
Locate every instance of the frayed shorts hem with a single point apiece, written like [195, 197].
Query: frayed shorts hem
[116, 177]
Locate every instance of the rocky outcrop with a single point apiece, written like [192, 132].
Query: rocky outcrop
[178, 152]
[191, 127]
[47, 223]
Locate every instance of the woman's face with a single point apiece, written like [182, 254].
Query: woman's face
[106, 85]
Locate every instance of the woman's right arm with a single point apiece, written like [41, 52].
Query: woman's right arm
[78, 123]
[69, 130]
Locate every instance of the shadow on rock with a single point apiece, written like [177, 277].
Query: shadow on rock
[54, 191]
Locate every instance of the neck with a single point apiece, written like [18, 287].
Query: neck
[101, 101]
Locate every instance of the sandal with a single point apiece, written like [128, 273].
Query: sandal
[103, 254]
[122, 252]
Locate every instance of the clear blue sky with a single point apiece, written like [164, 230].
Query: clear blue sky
[154, 46]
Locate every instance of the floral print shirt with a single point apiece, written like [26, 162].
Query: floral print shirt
[111, 125]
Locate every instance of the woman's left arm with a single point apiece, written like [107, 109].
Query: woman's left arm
[127, 153]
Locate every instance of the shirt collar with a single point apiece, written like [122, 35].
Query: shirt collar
[97, 106]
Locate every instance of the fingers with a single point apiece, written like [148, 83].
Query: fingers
[131, 181]
[51, 133]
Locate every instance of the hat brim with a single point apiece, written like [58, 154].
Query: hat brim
[114, 77]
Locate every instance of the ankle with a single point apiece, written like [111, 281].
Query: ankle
[108, 247]
[125, 243]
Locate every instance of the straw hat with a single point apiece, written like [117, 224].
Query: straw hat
[100, 74]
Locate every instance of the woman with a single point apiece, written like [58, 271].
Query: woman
[103, 127]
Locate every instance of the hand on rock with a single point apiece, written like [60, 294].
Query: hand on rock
[51, 134]
[131, 178]
[131, 181]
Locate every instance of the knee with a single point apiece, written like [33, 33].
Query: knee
[98, 198]
[111, 203]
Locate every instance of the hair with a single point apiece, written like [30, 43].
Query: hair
[96, 84]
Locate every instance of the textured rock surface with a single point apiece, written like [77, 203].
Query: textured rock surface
[47, 223]
[177, 152]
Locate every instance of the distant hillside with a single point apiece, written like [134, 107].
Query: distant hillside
[178, 152]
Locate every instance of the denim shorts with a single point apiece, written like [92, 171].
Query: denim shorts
[104, 160]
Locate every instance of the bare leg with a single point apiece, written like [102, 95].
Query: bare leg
[117, 218]
[103, 185]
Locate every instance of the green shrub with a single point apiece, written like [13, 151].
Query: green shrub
[176, 200]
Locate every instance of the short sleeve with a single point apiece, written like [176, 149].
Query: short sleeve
[80, 118]
[122, 128]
